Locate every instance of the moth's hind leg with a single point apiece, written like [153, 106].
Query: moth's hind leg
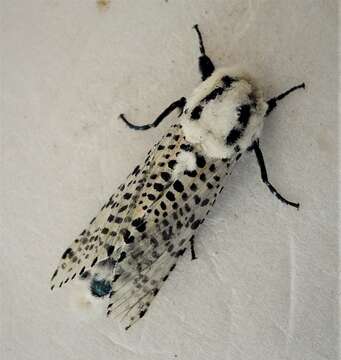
[264, 175]
[272, 103]
[178, 104]
[193, 255]
[206, 66]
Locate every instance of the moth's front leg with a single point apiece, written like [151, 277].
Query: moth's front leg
[178, 104]
[260, 159]
[193, 255]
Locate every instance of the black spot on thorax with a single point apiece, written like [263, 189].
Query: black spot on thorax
[234, 135]
[196, 112]
[244, 112]
[218, 91]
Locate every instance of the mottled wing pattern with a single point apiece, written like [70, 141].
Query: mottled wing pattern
[146, 226]
[107, 232]
[182, 201]
[91, 246]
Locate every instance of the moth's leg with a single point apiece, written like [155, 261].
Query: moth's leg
[178, 104]
[265, 179]
[272, 103]
[206, 66]
[192, 248]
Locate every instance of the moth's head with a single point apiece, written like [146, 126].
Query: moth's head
[225, 114]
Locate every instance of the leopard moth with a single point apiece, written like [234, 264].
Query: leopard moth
[129, 249]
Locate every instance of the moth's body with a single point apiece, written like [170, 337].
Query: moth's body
[130, 248]
[226, 101]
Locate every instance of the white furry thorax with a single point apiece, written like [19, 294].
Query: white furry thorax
[220, 115]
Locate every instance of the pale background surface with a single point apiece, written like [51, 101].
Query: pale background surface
[265, 283]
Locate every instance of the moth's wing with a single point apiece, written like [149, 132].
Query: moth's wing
[138, 200]
[99, 241]
[134, 290]
[166, 232]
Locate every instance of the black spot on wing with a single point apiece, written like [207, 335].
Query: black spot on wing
[54, 275]
[136, 170]
[68, 252]
[184, 196]
[123, 255]
[110, 218]
[165, 176]
[151, 197]
[212, 168]
[158, 187]
[84, 276]
[194, 187]
[178, 186]
[191, 173]
[186, 147]
[163, 205]
[170, 196]
[171, 164]
[195, 224]
[116, 277]
[200, 160]
[118, 220]
[139, 224]
[125, 233]
[142, 313]
[110, 250]
[127, 196]
[205, 202]
[94, 262]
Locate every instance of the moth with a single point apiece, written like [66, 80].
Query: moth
[130, 248]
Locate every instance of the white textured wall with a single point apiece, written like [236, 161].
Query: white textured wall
[265, 284]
